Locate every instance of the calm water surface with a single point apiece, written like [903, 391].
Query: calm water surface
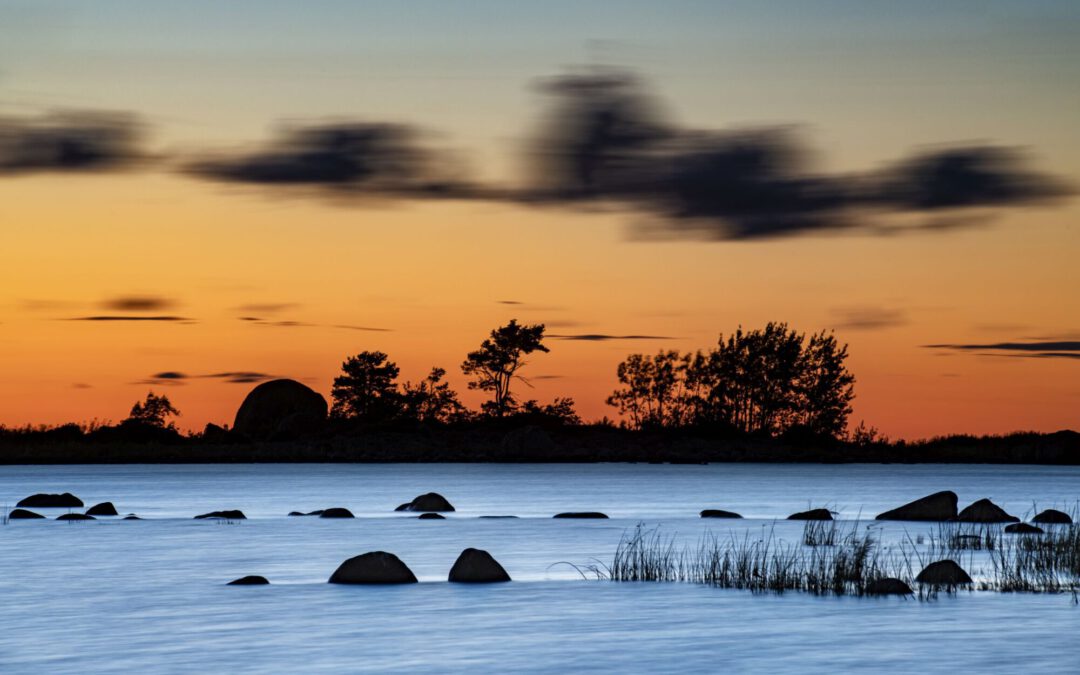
[149, 596]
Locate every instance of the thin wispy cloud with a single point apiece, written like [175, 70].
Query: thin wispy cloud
[868, 318]
[1040, 349]
[602, 337]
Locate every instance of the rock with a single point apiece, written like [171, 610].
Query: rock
[267, 407]
[580, 514]
[309, 513]
[75, 516]
[102, 509]
[377, 567]
[476, 566]
[250, 580]
[940, 506]
[888, 586]
[431, 516]
[1053, 517]
[336, 512]
[1023, 528]
[812, 514]
[23, 514]
[943, 573]
[985, 511]
[718, 513]
[431, 502]
[234, 514]
[51, 501]
[132, 516]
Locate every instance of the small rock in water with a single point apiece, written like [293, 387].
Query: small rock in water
[432, 501]
[888, 586]
[336, 512]
[477, 567]
[250, 580]
[102, 509]
[1023, 528]
[1053, 517]
[23, 514]
[377, 567]
[719, 513]
[940, 506]
[234, 514]
[75, 516]
[812, 514]
[132, 516]
[985, 511]
[431, 516]
[580, 514]
[943, 573]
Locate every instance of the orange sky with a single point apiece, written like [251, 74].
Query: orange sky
[864, 87]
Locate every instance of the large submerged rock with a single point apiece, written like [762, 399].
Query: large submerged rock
[888, 586]
[280, 408]
[377, 567]
[102, 509]
[943, 573]
[1053, 517]
[51, 501]
[75, 516]
[249, 580]
[229, 514]
[940, 506]
[23, 514]
[985, 511]
[336, 512]
[719, 513]
[812, 514]
[432, 502]
[580, 514]
[477, 567]
[1023, 528]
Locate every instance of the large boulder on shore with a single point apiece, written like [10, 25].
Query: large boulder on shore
[477, 567]
[23, 514]
[377, 567]
[229, 514]
[51, 501]
[985, 511]
[432, 502]
[940, 506]
[1053, 517]
[102, 509]
[719, 513]
[283, 407]
[943, 573]
[888, 586]
[812, 514]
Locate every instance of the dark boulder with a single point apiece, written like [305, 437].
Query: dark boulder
[23, 514]
[431, 516]
[888, 586]
[233, 514]
[250, 580]
[431, 502]
[279, 406]
[940, 506]
[812, 514]
[1053, 517]
[476, 566]
[75, 516]
[580, 514]
[336, 512]
[719, 513]
[985, 511]
[102, 509]
[51, 501]
[377, 567]
[1023, 528]
[943, 573]
[132, 516]
[309, 513]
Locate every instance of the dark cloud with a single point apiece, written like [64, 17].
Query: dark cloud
[241, 377]
[268, 307]
[138, 303]
[169, 375]
[134, 317]
[371, 158]
[172, 377]
[69, 141]
[868, 318]
[600, 337]
[1043, 349]
[81, 385]
[510, 302]
[547, 377]
[256, 321]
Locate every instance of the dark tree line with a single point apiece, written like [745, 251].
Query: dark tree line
[769, 381]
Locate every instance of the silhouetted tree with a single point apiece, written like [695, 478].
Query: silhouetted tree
[366, 390]
[654, 395]
[559, 411]
[431, 399]
[826, 387]
[495, 365]
[153, 412]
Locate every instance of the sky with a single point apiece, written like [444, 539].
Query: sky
[900, 173]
